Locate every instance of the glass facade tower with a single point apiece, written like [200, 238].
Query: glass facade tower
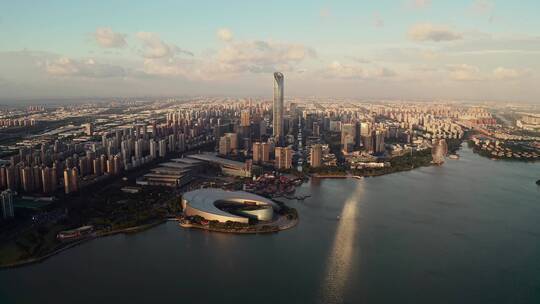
[277, 123]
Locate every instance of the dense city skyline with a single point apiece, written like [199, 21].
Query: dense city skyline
[408, 49]
[278, 151]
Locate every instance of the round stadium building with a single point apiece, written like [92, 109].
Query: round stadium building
[219, 205]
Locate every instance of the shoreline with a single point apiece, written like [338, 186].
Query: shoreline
[144, 227]
[316, 175]
[133, 230]
[292, 224]
[70, 245]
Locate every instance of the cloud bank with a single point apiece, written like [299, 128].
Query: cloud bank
[106, 38]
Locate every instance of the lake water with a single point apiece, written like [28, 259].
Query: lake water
[466, 232]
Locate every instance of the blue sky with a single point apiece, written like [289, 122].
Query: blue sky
[408, 49]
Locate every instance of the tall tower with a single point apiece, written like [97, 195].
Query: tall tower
[278, 108]
[315, 156]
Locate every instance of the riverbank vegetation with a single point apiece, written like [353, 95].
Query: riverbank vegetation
[107, 208]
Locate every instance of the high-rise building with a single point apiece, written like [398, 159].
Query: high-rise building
[88, 129]
[316, 129]
[348, 137]
[315, 157]
[378, 141]
[277, 110]
[172, 143]
[367, 142]
[265, 152]
[110, 166]
[153, 149]
[103, 163]
[224, 145]
[228, 143]
[12, 178]
[117, 164]
[27, 179]
[97, 169]
[36, 174]
[6, 200]
[365, 129]
[139, 148]
[3, 178]
[245, 119]
[181, 142]
[234, 141]
[46, 177]
[74, 180]
[67, 181]
[162, 148]
[283, 158]
[257, 152]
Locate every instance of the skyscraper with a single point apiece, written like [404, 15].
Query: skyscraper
[245, 119]
[265, 152]
[88, 129]
[224, 145]
[67, 181]
[257, 152]
[283, 158]
[228, 144]
[378, 141]
[278, 108]
[315, 157]
[348, 136]
[6, 200]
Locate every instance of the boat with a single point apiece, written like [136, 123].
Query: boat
[538, 182]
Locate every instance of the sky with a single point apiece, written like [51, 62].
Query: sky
[403, 49]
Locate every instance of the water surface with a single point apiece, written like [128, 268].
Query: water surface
[466, 232]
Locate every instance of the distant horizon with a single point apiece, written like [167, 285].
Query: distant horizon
[90, 99]
[402, 49]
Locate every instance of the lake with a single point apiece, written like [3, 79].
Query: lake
[465, 232]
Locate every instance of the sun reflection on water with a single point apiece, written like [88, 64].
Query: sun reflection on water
[340, 259]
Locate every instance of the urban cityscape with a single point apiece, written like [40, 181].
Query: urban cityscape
[334, 198]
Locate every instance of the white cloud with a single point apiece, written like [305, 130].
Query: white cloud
[65, 66]
[225, 34]
[502, 73]
[170, 67]
[430, 32]
[154, 47]
[261, 56]
[464, 72]
[383, 72]
[359, 59]
[234, 57]
[347, 71]
[338, 70]
[106, 38]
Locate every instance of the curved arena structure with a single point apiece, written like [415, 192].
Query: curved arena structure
[220, 205]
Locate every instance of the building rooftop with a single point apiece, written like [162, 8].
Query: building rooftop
[211, 157]
[205, 199]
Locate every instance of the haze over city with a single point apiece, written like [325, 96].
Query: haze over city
[407, 49]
